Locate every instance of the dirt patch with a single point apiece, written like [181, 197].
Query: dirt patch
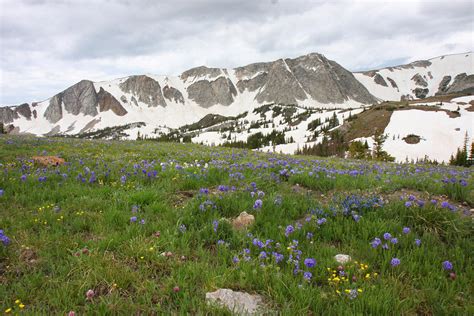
[365, 124]
[47, 161]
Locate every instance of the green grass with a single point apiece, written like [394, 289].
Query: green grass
[50, 224]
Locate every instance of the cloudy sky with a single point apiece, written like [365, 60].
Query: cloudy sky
[48, 45]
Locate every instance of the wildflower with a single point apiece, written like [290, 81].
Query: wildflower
[376, 242]
[395, 262]
[2, 192]
[134, 208]
[447, 265]
[418, 242]
[263, 255]
[289, 229]
[215, 225]
[394, 240]
[23, 177]
[309, 262]
[385, 246]
[123, 179]
[307, 276]
[406, 230]
[142, 222]
[90, 294]
[133, 219]
[278, 257]
[387, 236]
[321, 221]
[176, 289]
[235, 259]
[353, 294]
[8, 310]
[408, 203]
[444, 204]
[71, 313]
[434, 202]
[258, 204]
[182, 228]
[4, 239]
[204, 191]
[309, 235]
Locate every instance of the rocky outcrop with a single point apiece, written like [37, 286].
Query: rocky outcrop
[54, 112]
[81, 98]
[173, 94]
[281, 86]
[7, 115]
[392, 82]
[378, 79]
[240, 303]
[420, 93]
[419, 80]
[326, 81]
[443, 85]
[24, 110]
[146, 89]
[109, 102]
[208, 93]
[200, 73]
[252, 84]
[462, 84]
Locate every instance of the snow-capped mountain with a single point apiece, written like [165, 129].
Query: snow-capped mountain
[437, 76]
[295, 100]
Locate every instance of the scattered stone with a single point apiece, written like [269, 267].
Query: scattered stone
[243, 221]
[342, 259]
[240, 303]
[48, 160]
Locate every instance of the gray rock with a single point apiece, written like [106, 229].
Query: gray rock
[421, 93]
[252, 84]
[173, 94]
[134, 101]
[378, 79]
[54, 131]
[81, 98]
[54, 111]
[393, 83]
[462, 84]
[251, 70]
[109, 102]
[24, 110]
[240, 303]
[326, 81]
[201, 71]
[123, 99]
[7, 114]
[146, 89]
[281, 86]
[206, 94]
[419, 81]
[342, 259]
[443, 85]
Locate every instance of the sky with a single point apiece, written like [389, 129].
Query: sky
[48, 45]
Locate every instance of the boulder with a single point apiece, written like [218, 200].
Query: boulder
[342, 259]
[240, 303]
[243, 221]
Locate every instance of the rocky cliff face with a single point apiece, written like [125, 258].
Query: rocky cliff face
[146, 89]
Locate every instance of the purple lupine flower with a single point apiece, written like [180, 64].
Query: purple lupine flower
[321, 221]
[385, 246]
[123, 179]
[309, 262]
[418, 242]
[448, 266]
[411, 197]
[408, 203]
[235, 259]
[220, 242]
[420, 203]
[258, 204]
[23, 177]
[215, 225]
[263, 255]
[394, 240]
[463, 182]
[182, 228]
[376, 242]
[434, 202]
[307, 276]
[142, 221]
[395, 262]
[387, 236]
[289, 229]
[444, 204]
[309, 235]
[406, 230]
[2, 192]
[278, 257]
[133, 219]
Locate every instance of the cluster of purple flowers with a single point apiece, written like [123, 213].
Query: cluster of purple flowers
[376, 242]
[4, 238]
[134, 219]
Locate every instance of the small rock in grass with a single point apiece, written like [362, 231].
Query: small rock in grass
[243, 220]
[342, 258]
[237, 302]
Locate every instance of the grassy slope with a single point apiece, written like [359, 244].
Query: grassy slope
[124, 265]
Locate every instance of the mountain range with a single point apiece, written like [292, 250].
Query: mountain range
[153, 105]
